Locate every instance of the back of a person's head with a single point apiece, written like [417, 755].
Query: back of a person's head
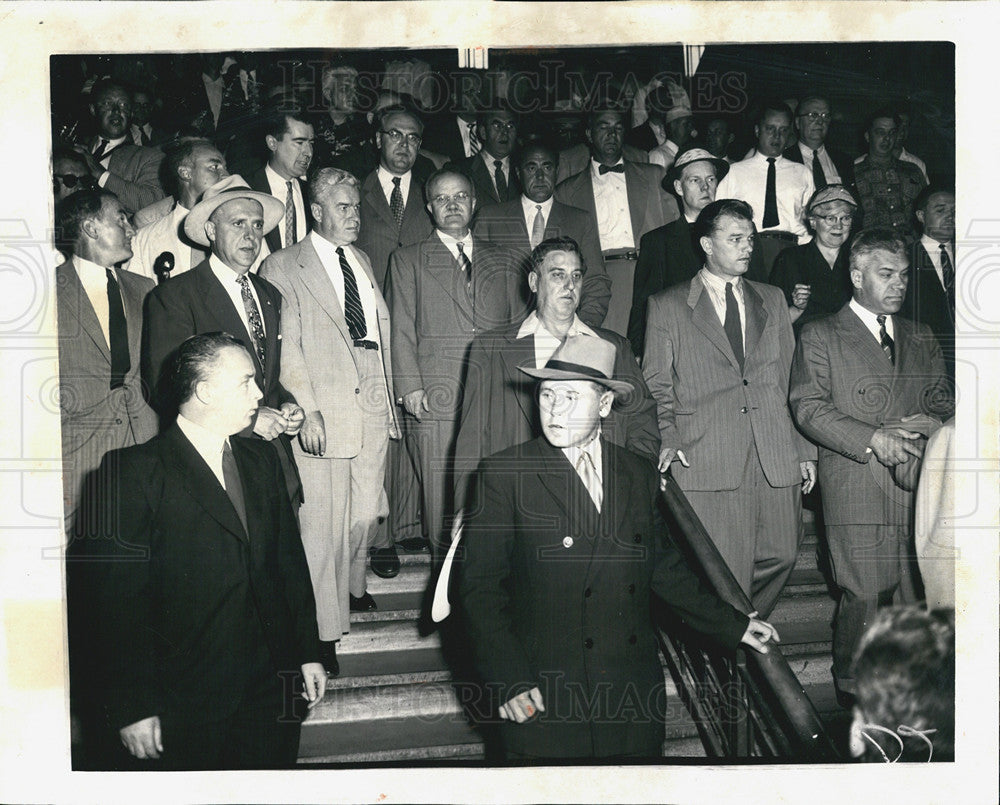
[905, 676]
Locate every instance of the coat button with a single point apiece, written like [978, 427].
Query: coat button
[357, 391]
[637, 538]
[861, 391]
[746, 382]
[587, 593]
[632, 639]
[631, 589]
[743, 410]
[567, 542]
[118, 421]
[588, 643]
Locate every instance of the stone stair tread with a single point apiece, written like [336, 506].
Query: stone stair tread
[380, 679]
[814, 630]
[380, 663]
[412, 576]
[404, 757]
[380, 634]
[383, 615]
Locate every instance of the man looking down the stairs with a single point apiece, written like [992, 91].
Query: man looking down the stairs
[564, 547]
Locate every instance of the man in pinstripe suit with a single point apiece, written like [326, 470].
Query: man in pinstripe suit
[717, 357]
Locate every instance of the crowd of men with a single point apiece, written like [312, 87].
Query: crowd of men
[296, 340]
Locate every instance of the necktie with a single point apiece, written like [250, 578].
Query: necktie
[464, 262]
[474, 144]
[253, 319]
[948, 273]
[771, 196]
[619, 168]
[888, 345]
[588, 474]
[733, 326]
[117, 333]
[500, 179]
[234, 488]
[289, 215]
[538, 227]
[819, 177]
[396, 202]
[102, 146]
[143, 137]
[353, 311]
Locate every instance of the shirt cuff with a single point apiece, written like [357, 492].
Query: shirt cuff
[104, 179]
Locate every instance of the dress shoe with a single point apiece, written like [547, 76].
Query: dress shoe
[385, 562]
[328, 656]
[364, 603]
[414, 544]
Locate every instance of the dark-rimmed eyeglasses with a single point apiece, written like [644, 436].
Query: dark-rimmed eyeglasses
[70, 180]
[396, 137]
[816, 117]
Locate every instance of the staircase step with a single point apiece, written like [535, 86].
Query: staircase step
[379, 647]
[405, 591]
[404, 757]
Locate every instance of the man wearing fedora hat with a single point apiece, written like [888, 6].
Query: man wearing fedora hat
[221, 293]
[563, 549]
[667, 254]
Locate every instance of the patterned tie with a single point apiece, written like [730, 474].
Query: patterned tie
[948, 273]
[396, 202]
[289, 215]
[464, 262]
[253, 318]
[819, 177]
[353, 312]
[733, 325]
[102, 146]
[888, 345]
[538, 227]
[588, 474]
[234, 487]
[771, 196]
[500, 179]
[474, 144]
[117, 333]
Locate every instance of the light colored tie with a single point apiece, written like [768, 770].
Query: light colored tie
[588, 474]
[538, 227]
[290, 233]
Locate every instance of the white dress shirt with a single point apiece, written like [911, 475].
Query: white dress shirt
[488, 160]
[716, 287]
[230, 282]
[209, 445]
[385, 179]
[279, 189]
[664, 154]
[829, 169]
[530, 211]
[614, 220]
[213, 89]
[545, 342]
[106, 160]
[870, 320]
[452, 244]
[595, 451]
[328, 256]
[933, 249]
[137, 132]
[747, 181]
[94, 279]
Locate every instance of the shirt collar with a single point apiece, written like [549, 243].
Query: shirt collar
[385, 177]
[451, 242]
[805, 150]
[529, 207]
[718, 283]
[592, 448]
[208, 443]
[112, 143]
[595, 166]
[327, 247]
[275, 179]
[489, 159]
[533, 326]
[933, 246]
[88, 268]
[223, 273]
[758, 155]
[870, 319]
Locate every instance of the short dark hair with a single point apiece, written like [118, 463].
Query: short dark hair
[535, 145]
[194, 360]
[707, 221]
[905, 675]
[885, 111]
[549, 245]
[812, 96]
[920, 202]
[876, 239]
[397, 109]
[176, 153]
[106, 85]
[72, 211]
[278, 113]
[500, 106]
[772, 105]
[441, 172]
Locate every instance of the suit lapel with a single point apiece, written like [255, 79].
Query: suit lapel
[704, 317]
[376, 198]
[756, 318]
[272, 323]
[637, 192]
[561, 480]
[315, 278]
[855, 333]
[133, 296]
[83, 311]
[218, 301]
[518, 352]
[440, 265]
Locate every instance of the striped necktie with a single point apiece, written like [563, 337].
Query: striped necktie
[888, 345]
[353, 312]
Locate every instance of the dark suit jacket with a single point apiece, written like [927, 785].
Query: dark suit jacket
[134, 176]
[926, 302]
[843, 387]
[642, 137]
[805, 264]
[94, 417]
[649, 205]
[504, 225]
[500, 408]
[258, 181]
[435, 315]
[557, 596]
[666, 257]
[574, 159]
[706, 406]
[379, 236]
[482, 181]
[441, 135]
[184, 603]
[843, 163]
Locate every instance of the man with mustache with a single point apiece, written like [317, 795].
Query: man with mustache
[718, 352]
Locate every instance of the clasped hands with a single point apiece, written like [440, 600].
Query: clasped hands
[272, 422]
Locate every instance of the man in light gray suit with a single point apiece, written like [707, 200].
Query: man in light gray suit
[336, 361]
[101, 398]
[718, 352]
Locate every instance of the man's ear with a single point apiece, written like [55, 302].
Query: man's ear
[706, 244]
[867, 138]
[317, 212]
[856, 275]
[89, 228]
[606, 401]
[203, 392]
[920, 216]
[271, 142]
[756, 132]
[678, 187]
[533, 281]
[210, 231]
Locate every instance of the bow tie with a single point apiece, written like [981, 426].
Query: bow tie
[619, 168]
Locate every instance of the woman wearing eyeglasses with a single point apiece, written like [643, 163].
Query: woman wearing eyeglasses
[815, 276]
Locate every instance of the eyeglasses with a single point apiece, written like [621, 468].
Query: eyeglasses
[71, 180]
[441, 200]
[122, 107]
[816, 117]
[833, 220]
[396, 137]
[500, 125]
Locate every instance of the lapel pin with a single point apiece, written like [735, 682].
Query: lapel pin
[567, 542]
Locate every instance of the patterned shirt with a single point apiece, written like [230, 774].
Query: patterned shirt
[886, 194]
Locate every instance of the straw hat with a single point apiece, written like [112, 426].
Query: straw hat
[582, 357]
[232, 187]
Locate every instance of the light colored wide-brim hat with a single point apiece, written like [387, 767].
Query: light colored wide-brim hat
[582, 357]
[690, 155]
[232, 187]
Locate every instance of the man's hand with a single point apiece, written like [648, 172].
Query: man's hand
[313, 682]
[416, 404]
[893, 446]
[667, 455]
[143, 739]
[808, 469]
[95, 168]
[270, 423]
[294, 417]
[759, 633]
[522, 707]
[312, 435]
[800, 295]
